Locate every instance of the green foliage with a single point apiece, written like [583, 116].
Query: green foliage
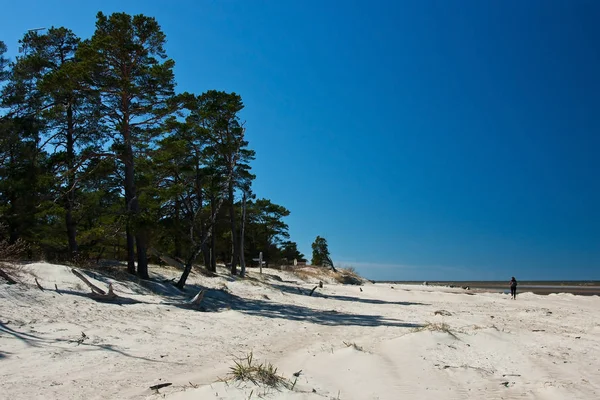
[98, 152]
[3, 62]
[265, 229]
[289, 251]
[320, 251]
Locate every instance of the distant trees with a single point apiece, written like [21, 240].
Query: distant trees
[320, 251]
[289, 251]
[100, 157]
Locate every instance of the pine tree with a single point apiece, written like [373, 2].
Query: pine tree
[66, 109]
[219, 115]
[320, 251]
[134, 79]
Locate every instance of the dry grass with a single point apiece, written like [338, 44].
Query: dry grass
[437, 327]
[245, 369]
[308, 273]
[348, 278]
[354, 346]
[343, 276]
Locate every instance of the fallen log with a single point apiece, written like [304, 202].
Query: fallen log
[10, 280]
[38, 285]
[95, 289]
[100, 295]
[160, 386]
[193, 303]
[166, 259]
[197, 298]
[110, 296]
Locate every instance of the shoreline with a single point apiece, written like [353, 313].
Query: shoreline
[585, 288]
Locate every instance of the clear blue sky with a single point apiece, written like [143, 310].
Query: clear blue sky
[425, 139]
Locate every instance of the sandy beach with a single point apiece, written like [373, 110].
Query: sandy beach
[375, 341]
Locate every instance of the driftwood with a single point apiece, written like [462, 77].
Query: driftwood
[166, 259]
[160, 386]
[95, 289]
[10, 280]
[197, 298]
[313, 290]
[97, 293]
[38, 285]
[105, 297]
[194, 303]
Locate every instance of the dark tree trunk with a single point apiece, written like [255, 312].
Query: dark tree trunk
[177, 226]
[206, 256]
[130, 248]
[142, 247]
[196, 252]
[242, 259]
[131, 206]
[213, 241]
[70, 197]
[234, 236]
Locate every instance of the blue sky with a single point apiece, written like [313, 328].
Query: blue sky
[424, 140]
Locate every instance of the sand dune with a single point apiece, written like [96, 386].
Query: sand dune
[385, 342]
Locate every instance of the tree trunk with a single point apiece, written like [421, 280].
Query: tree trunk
[208, 234]
[234, 236]
[70, 196]
[242, 259]
[130, 200]
[142, 248]
[176, 234]
[130, 247]
[213, 240]
[206, 256]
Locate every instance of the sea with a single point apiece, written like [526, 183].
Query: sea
[585, 288]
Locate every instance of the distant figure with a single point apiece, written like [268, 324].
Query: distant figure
[513, 288]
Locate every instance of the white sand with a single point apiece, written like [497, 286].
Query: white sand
[537, 347]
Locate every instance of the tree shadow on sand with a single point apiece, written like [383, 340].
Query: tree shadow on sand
[77, 345]
[296, 290]
[218, 300]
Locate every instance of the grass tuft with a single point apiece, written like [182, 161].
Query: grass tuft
[245, 369]
[354, 345]
[437, 327]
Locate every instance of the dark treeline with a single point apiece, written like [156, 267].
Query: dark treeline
[100, 157]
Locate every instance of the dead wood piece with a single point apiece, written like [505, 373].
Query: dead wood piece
[82, 338]
[95, 289]
[160, 386]
[443, 312]
[38, 285]
[313, 290]
[10, 280]
[57, 291]
[166, 259]
[197, 298]
[105, 297]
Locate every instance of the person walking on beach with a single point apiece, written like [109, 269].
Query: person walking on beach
[513, 288]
